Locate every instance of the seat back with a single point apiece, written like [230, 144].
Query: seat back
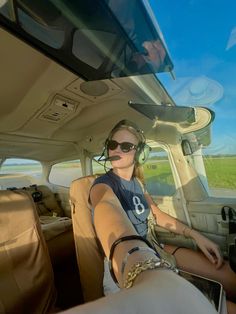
[89, 253]
[45, 200]
[26, 275]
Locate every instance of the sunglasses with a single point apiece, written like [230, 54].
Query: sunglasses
[124, 146]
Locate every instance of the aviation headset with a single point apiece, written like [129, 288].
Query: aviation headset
[142, 150]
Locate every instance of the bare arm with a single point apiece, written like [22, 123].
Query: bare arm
[112, 223]
[209, 248]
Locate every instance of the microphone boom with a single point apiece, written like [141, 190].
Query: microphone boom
[111, 158]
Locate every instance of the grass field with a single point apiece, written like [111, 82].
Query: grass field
[221, 172]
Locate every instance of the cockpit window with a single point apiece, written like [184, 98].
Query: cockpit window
[158, 175]
[204, 53]
[18, 173]
[95, 39]
[52, 37]
[87, 50]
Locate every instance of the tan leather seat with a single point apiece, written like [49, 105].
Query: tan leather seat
[26, 276]
[47, 204]
[56, 228]
[88, 250]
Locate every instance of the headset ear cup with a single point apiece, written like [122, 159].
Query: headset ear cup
[142, 153]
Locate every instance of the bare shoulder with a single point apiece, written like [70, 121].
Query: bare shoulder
[98, 192]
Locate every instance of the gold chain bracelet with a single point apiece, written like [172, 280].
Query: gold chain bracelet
[139, 267]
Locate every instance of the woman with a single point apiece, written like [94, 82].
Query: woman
[156, 288]
[122, 188]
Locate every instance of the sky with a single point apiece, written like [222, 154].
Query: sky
[201, 39]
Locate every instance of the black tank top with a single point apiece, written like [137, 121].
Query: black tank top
[131, 197]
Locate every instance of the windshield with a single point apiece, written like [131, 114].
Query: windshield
[95, 39]
[201, 37]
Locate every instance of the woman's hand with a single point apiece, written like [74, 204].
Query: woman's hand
[209, 248]
[155, 52]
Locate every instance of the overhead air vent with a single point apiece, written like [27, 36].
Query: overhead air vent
[94, 90]
[61, 109]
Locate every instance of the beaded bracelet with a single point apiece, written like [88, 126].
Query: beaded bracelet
[139, 267]
[135, 249]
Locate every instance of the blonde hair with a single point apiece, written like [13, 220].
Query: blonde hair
[138, 173]
[138, 169]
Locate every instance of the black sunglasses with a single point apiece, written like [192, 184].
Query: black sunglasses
[124, 146]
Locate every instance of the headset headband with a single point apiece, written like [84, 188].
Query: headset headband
[129, 125]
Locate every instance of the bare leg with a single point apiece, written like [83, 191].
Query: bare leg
[231, 307]
[154, 291]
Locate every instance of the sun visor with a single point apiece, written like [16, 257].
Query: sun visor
[185, 119]
[94, 39]
[203, 118]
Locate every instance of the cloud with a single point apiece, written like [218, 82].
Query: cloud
[196, 91]
[232, 39]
